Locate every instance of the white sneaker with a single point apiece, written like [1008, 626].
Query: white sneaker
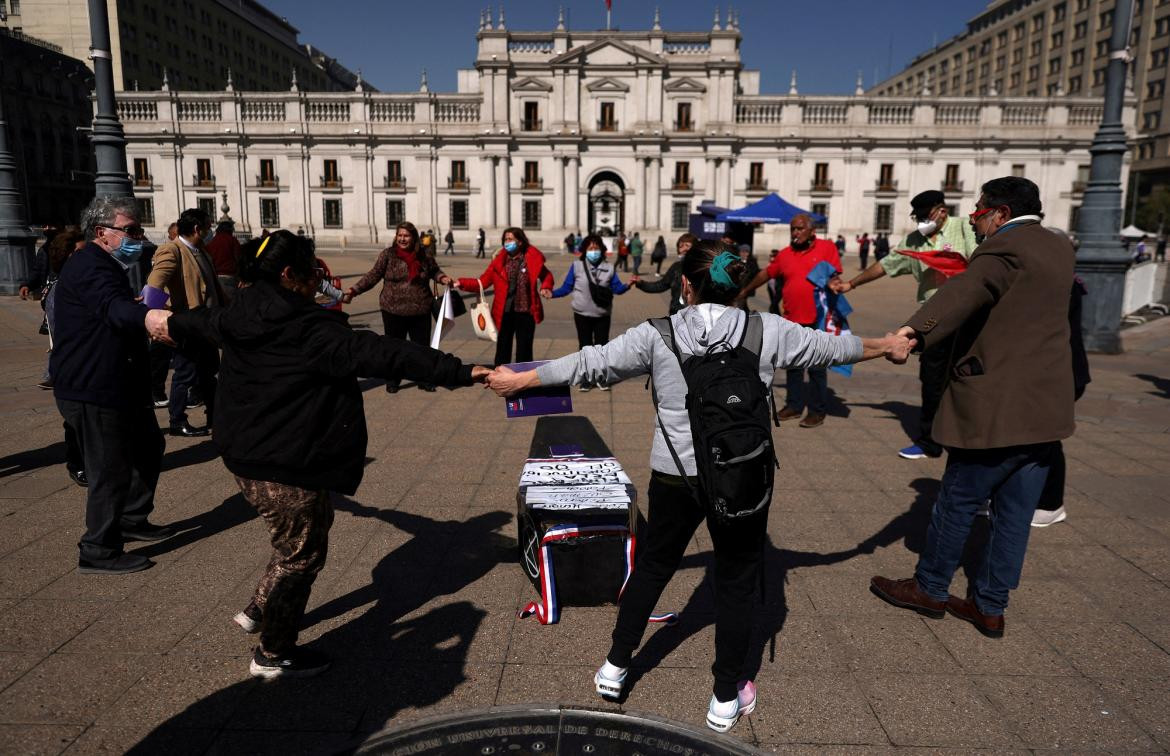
[609, 681]
[604, 387]
[722, 715]
[584, 387]
[1043, 518]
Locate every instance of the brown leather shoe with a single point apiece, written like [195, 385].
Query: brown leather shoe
[812, 420]
[990, 625]
[788, 414]
[907, 595]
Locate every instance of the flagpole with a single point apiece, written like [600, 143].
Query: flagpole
[607, 12]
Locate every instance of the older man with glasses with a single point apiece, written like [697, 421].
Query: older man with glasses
[101, 381]
[936, 232]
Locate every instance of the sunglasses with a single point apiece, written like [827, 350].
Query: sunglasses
[133, 230]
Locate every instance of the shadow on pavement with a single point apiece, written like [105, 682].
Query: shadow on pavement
[196, 454]
[234, 511]
[376, 670]
[33, 459]
[1161, 386]
[908, 527]
[907, 415]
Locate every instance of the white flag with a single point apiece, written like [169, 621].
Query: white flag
[445, 321]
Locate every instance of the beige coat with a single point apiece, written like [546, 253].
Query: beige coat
[1011, 379]
[175, 269]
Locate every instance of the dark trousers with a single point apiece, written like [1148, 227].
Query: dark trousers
[637, 264]
[591, 330]
[194, 367]
[123, 454]
[1014, 476]
[479, 251]
[450, 249]
[160, 365]
[932, 373]
[863, 254]
[818, 390]
[74, 450]
[623, 263]
[1052, 497]
[415, 327]
[672, 518]
[298, 521]
[658, 266]
[520, 326]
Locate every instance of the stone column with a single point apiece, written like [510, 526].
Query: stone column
[489, 191]
[573, 196]
[503, 195]
[638, 216]
[654, 194]
[16, 238]
[561, 197]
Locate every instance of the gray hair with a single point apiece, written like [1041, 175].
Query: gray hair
[101, 211]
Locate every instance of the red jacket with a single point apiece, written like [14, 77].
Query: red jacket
[495, 277]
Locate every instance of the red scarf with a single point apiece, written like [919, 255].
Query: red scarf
[411, 260]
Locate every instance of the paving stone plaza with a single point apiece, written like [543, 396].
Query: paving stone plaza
[417, 603]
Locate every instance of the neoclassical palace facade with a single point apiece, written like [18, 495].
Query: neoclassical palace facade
[564, 130]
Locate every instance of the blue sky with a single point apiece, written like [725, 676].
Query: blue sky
[827, 42]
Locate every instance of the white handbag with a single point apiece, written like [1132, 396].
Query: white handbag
[481, 318]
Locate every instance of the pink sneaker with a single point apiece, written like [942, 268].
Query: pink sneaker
[722, 715]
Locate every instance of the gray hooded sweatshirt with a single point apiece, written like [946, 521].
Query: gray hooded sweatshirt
[641, 350]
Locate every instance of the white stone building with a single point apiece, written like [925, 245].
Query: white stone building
[563, 130]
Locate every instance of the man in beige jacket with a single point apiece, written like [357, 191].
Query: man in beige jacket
[1008, 403]
[184, 270]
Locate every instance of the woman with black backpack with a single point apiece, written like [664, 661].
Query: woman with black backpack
[709, 337]
[593, 282]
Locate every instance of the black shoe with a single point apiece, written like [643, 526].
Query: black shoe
[300, 662]
[119, 565]
[190, 431]
[148, 532]
[46, 385]
[391, 389]
[161, 401]
[426, 387]
[194, 400]
[79, 478]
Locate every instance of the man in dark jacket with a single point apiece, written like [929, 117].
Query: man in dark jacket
[672, 279]
[101, 380]
[1007, 406]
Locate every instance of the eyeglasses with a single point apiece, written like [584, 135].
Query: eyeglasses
[980, 213]
[318, 272]
[133, 230]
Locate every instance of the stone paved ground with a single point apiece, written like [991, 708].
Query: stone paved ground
[418, 601]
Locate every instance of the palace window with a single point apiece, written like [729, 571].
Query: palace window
[267, 173]
[608, 120]
[146, 211]
[531, 214]
[394, 174]
[886, 176]
[1018, 169]
[141, 172]
[679, 216]
[883, 217]
[951, 178]
[682, 175]
[756, 176]
[203, 176]
[458, 175]
[459, 213]
[531, 175]
[269, 212]
[821, 176]
[822, 209]
[331, 179]
[395, 212]
[207, 205]
[332, 211]
[683, 120]
[531, 117]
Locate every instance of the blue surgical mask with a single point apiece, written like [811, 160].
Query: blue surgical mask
[511, 246]
[594, 256]
[128, 251]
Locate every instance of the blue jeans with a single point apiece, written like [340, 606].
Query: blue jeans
[818, 390]
[1014, 476]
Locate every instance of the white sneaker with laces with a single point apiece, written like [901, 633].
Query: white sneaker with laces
[609, 681]
[1042, 518]
[722, 715]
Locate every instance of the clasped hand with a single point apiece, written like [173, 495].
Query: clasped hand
[156, 326]
[899, 345]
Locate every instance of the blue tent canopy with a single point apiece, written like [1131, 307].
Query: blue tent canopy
[771, 209]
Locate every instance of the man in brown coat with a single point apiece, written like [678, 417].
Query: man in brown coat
[1007, 405]
[185, 271]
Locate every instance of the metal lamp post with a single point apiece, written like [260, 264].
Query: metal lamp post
[16, 239]
[109, 141]
[1101, 259]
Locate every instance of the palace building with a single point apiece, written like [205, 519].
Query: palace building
[561, 131]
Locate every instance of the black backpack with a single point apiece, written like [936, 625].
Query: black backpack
[730, 416]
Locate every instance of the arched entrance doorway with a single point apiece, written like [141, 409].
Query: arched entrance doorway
[607, 204]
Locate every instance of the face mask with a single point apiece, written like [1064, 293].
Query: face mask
[926, 228]
[128, 251]
[511, 246]
[593, 255]
[979, 238]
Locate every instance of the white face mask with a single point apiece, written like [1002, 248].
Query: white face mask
[926, 228]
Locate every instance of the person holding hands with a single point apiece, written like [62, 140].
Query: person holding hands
[406, 272]
[519, 278]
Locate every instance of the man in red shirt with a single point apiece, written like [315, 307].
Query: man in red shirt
[791, 268]
[224, 250]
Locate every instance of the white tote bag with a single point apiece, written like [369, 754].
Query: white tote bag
[481, 318]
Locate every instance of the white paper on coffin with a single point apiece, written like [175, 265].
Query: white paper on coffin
[577, 497]
[561, 472]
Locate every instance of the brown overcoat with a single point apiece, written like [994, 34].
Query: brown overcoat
[1010, 373]
[175, 269]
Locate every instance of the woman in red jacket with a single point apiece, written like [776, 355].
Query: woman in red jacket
[520, 279]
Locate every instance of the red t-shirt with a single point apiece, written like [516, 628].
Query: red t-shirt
[792, 267]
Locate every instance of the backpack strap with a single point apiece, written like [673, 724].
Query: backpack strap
[752, 337]
[665, 329]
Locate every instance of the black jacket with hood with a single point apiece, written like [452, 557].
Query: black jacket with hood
[288, 408]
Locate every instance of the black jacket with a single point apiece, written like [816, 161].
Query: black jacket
[99, 337]
[671, 279]
[288, 408]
